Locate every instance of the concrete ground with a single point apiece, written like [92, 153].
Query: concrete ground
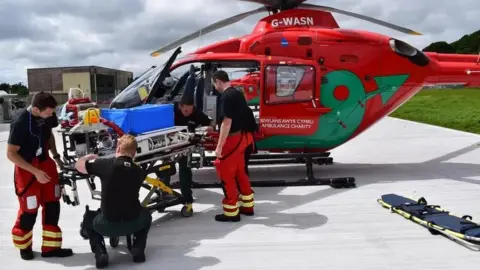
[302, 228]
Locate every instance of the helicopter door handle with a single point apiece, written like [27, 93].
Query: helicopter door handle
[319, 110]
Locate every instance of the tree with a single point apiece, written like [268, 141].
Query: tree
[18, 88]
[440, 47]
[5, 86]
[468, 44]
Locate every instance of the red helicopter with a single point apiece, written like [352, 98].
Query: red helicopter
[316, 85]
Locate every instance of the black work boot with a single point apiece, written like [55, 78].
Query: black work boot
[58, 252]
[138, 255]
[101, 260]
[27, 254]
[138, 246]
[101, 255]
[224, 218]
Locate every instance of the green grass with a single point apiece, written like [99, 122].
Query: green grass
[451, 108]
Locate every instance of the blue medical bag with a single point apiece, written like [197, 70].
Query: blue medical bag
[141, 119]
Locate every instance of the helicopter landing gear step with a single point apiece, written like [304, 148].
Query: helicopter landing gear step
[309, 180]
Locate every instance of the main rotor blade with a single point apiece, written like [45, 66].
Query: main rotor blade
[206, 30]
[277, 4]
[363, 17]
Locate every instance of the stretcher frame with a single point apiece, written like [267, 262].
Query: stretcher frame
[472, 243]
[167, 157]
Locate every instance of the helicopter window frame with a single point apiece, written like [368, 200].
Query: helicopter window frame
[272, 97]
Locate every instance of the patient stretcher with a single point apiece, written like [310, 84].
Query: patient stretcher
[157, 153]
[438, 221]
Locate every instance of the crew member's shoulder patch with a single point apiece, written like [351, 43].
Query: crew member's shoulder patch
[127, 164]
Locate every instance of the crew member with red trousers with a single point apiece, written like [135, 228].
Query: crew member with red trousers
[237, 125]
[36, 177]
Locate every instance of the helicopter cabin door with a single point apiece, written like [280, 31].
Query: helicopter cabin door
[289, 107]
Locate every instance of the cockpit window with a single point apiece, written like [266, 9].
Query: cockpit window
[138, 90]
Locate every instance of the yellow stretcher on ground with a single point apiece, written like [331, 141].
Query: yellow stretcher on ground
[438, 221]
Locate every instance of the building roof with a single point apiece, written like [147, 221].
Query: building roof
[76, 68]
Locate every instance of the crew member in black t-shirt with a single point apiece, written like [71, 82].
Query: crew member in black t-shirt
[237, 125]
[186, 114]
[120, 210]
[36, 177]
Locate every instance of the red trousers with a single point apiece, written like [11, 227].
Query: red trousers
[32, 194]
[231, 171]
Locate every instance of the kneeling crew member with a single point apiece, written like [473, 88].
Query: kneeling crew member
[36, 177]
[236, 134]
[120, 210]
[186, 114]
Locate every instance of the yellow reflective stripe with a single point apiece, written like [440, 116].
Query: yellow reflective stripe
[22, 238]
[52, 234]
[231, 214]
[246, 198]
[248, 204]
[51, 243]
[227, 206]
[23, 246]
[164, 167]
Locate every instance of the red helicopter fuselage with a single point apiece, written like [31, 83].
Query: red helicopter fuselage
[319, 85]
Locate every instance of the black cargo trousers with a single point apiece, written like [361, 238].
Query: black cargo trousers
[95, 227]
[185, 178]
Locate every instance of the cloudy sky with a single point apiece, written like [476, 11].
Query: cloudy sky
[121, 33]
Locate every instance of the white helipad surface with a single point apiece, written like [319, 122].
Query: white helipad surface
[301, 228]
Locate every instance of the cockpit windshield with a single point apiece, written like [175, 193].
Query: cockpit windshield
[141, 89]
[138, 90]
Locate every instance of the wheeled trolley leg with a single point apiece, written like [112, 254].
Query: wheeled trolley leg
[166, 197]
[114, 241]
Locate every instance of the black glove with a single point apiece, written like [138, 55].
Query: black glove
[191, 127]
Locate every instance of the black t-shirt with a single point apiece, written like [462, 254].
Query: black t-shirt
[234, 106]
[31, 133]
[195, 119]
[121, 181]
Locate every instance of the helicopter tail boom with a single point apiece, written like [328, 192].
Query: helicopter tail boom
[447, 57]
[455, 69]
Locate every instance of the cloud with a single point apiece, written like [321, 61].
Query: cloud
[121, 33]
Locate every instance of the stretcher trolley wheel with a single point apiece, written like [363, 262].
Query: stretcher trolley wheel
[114, 241]
[186, 212]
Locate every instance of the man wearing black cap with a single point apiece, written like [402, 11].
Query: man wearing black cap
[186, 114]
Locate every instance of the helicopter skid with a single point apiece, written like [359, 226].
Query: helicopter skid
[274, 158]
[309, 180]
